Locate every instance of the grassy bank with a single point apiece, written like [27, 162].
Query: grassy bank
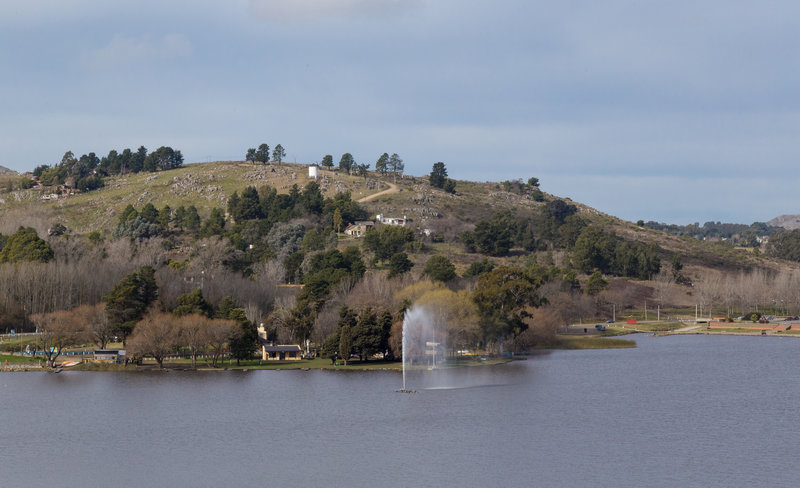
[10, 359]
[644, 327]
[17, 344]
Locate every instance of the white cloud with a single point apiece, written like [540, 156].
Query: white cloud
[123, 50]
[305, 10]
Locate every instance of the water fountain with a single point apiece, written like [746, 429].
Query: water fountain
[423, 342]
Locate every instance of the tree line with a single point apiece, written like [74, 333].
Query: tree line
[735, 234]
[261, 154]
[86, 172]
[385, 164]
[131, 313]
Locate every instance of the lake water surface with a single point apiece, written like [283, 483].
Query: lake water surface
[679, 411]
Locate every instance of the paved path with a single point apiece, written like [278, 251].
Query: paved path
[392, 189]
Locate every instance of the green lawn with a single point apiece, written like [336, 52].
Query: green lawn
[8, 358]
[17, 344]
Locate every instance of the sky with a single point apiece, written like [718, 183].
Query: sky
[678, 112]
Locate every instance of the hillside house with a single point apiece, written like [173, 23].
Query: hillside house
[359, 229]
[402, 222]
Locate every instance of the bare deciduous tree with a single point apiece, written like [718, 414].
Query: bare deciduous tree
[192, 333]
[58, 331]
[155, 335]
[96, 321]
[218, 333]
[544, 322]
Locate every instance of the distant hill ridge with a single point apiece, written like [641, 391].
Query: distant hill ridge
[3, 169]
[788, 222]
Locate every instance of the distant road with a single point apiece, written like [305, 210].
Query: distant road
[392, 189]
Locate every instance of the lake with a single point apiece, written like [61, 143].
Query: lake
[677, 411]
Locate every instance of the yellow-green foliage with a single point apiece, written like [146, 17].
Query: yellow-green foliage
[411, 293]
[453, 313]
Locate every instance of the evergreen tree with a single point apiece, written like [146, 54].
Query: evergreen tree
[596, 283]
[399, 264]
[244, 341]
[249, 205]
[503, 297]
[311, 198]
[180, 217]
[149, 213]
[215, 225]
[337, 220]
[366, 335]
[262, 154]
[128, 213]
[191, 221]
[396, 165]
[128, 300]
[438, 175]
[346, 163]
[478, 268]
[387, 240]
[192, 302]
[164, 217]
[382, 165]
[278, 154]
[25, 245]
[233, 206]
[439, 268]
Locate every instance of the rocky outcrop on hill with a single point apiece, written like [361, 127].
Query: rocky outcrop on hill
[788, 222]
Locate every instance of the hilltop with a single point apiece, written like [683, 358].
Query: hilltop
[788, 222]
[431, 210]
[3, 169]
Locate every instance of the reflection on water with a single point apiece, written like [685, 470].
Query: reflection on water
[468, 377]
[690, 411]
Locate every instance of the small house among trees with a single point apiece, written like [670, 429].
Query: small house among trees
[281, 353]
[359, 229]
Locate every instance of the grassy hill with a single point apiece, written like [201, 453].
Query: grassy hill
[205, 185]
[208, 185]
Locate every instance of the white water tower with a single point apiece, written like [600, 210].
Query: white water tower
[313, 171]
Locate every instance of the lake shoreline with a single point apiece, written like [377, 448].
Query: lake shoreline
[566, 342]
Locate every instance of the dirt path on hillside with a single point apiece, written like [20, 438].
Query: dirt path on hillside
[392, 189]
